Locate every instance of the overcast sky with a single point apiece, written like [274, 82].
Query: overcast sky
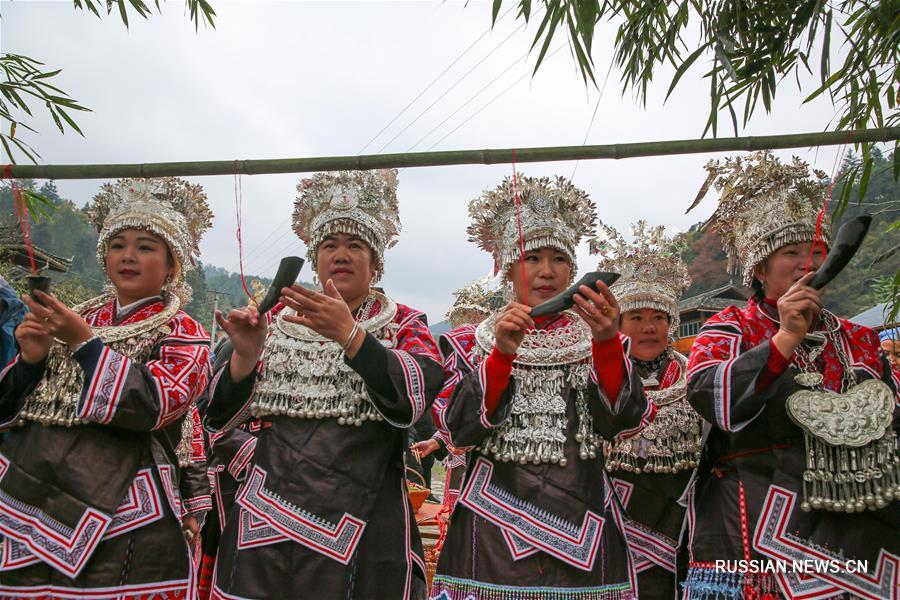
[296, 79]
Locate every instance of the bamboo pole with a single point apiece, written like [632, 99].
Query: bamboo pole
[451, 157]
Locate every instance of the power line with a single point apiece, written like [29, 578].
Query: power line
[467, 102]
[262, 250]
[433, 81]
[494, 99]
[448, 90]
[591, 123]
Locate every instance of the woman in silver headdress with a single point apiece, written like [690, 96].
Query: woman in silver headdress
[341, 374]
[651, 470]
[101, 397]
[537, 517]
[801, 467]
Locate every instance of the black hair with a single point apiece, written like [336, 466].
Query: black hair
[757, 287]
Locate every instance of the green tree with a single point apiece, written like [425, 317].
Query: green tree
[746, 49]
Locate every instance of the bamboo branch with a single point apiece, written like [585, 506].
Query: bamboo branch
[452, 157]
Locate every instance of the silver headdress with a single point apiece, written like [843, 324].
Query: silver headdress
[554, 214]
[170, 207]
[764, 205]
[358, 203]
[653, 275]
[474, 302]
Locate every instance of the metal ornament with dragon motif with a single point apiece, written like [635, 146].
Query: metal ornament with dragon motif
[306, 376]
[54, 401]
[671, 443]
[547, 364]
[852, 461]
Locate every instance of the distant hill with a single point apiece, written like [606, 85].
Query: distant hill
[440, 328]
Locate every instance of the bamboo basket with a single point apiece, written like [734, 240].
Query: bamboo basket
[418, 493]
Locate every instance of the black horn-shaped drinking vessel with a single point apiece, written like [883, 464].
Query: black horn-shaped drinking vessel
[566, 300]
[286, 276]
[849, 238]
[38, 282]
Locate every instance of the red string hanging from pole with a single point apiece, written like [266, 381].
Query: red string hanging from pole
[519, 222]
[21, 209]
[819, 237]
[239, 207]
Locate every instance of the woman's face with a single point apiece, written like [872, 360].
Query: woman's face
[785, 266]
[547, 273]
[138, 263]
[648, 330]
[349, 262]
[892, 350]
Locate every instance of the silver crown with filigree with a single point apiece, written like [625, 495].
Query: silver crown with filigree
[362, 204]
[652, 272]
[474, 302]
[764, 205]
[170, 207]
[553, 214]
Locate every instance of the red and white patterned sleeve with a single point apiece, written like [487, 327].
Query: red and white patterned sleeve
[121, 392]
[722, 375]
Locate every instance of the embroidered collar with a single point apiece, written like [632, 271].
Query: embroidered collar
[122, 312]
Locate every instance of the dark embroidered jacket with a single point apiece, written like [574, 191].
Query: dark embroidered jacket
[518, 529]
[324, 505]
[90, 506]
[746, 503]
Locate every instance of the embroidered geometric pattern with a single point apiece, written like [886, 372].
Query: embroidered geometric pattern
[518, 547]
[102, 393]
[415, 384]
[651, 545]
[336, 541]
[179, 374]
[14, 555]
[167, 474]
[142, 505]
[242, 458]
[162, 590]
[197, 504]
[59, 546]
[772, 540]
[566, 541]
[454, 588]
[253, 532]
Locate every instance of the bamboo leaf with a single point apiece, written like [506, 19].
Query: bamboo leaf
[495, 10]
[682, 69]
[867, 171]
[826, 49]
[885, 255]
[123, 12]
[69, 120]
[557, 16]
[48, 74]
[9, 154]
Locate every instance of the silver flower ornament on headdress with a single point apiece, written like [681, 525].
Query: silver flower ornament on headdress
[170, 207]
[652, 272]
[553, 214]
[358, 203]
[764, 205]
